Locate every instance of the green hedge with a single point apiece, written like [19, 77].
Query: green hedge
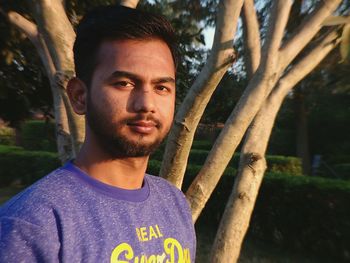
[302, 214]
[7, 136]
[38, 136]
[290, 165]
[306, 214]
[202, 145]
[343, 170]
[24, 166]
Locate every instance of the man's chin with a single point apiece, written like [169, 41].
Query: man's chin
[124, 148]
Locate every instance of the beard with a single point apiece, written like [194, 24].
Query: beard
[116, 144]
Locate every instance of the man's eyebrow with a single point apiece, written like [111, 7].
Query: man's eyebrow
[132, 76]
[163, 80]
[125, 74]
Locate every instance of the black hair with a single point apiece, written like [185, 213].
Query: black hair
[117, 23]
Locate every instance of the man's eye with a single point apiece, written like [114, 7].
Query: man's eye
[162, 88]
[125, 84]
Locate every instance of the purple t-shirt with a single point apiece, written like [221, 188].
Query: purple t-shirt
[70, 217]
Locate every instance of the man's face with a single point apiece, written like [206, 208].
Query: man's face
[131, 99]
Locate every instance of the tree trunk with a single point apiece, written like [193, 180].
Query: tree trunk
[236, 218]
[59, 36]
[191, 110]
[63, 139]
[251, 38]
[258, 88]
[128, 3]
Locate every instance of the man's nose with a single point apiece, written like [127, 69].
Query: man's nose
[144, 100]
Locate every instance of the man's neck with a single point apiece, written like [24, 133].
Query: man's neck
[126, 173]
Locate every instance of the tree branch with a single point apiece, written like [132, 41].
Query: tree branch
[306, 31]
[278, 21]
[23, 24]
[258, 88]
[251, 36]
[128, 3]
[309, 61]
[57, 32]
[191, 110]
[31, 31]
[59, 37]
[61, 122]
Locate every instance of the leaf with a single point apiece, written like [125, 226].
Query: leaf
[345, 44]
[336, 20]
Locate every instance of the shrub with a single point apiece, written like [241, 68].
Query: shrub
[299, 213]
[202, 145]
[337, 159]
[307, 214]
[343, 170]
[283, 164]
[38, 136]
[9, 148]
[26, 167]
[290, 165]
[7, 136]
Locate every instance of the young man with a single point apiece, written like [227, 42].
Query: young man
[101, 207]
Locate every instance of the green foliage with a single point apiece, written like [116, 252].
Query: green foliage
[39, 136]
[290, 165]
[224, 98]
[18, 165]
[343, 170]
[202, 145]
[191, 171]
[9, 148]
[23, 82]
[298, 213]
[305, 214]
[7, 136]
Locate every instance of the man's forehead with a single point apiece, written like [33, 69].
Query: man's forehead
[140, 57]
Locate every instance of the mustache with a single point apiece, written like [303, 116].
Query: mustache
[143, 117]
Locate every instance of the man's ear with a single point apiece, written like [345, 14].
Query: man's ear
[77, 93]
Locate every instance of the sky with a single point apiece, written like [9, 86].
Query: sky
[209, 36]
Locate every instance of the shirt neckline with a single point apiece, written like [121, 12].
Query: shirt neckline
[136, 195]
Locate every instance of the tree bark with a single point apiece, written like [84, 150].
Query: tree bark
[306, 31]
[236, 218]
[251, 35]
[59, 37]
[128, 3]
[258, 88]
[191, 110]
[63, 140]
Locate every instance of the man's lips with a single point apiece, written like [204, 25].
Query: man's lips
[144, 127]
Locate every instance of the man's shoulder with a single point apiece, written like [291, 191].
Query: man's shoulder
[38, 198]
